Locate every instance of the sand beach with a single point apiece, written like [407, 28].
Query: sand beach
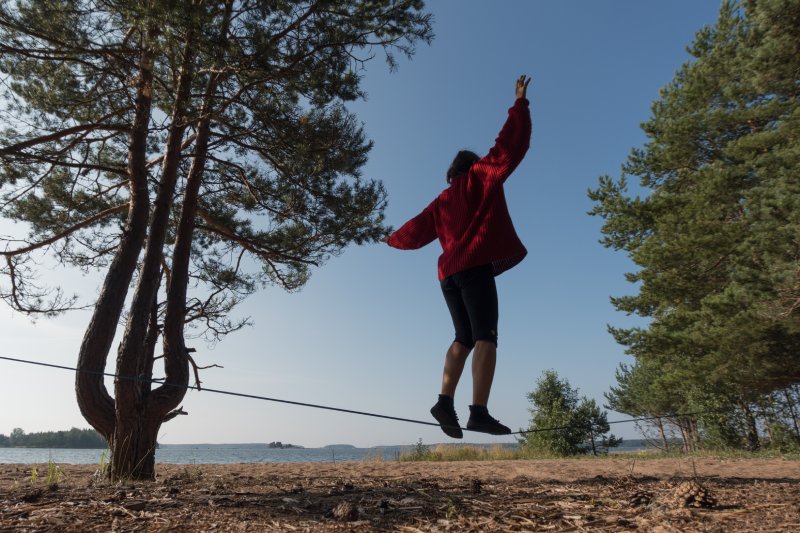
[617, 493]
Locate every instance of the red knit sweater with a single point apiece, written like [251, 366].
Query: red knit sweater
[470, 217]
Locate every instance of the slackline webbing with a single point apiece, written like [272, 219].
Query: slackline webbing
[318, 406]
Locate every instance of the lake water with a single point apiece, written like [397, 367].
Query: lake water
[207, 454]
[227, 453]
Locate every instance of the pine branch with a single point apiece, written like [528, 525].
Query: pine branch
[82, 128]
[83, 224]
[214, 226]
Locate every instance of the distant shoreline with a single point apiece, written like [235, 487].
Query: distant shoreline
[628, 445]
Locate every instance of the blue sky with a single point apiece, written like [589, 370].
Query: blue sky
[370, 329]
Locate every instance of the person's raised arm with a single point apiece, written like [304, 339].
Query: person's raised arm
[513, 141]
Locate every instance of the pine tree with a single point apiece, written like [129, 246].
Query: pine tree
[562, 423]
[714, 235]
[191, 151]
[589, 415]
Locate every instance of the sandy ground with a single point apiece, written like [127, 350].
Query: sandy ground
[621, 493]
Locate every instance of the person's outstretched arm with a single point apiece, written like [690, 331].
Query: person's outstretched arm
[415, 233]
[513, 141]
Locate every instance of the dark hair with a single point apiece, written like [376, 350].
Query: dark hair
[463, 160]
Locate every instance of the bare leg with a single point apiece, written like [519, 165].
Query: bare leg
[483, 363]
[454, 362]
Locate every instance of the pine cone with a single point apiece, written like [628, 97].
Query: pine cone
[345, 512]
[476, 486]
[693, 494]
[640, 498]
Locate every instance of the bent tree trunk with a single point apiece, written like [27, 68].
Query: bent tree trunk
[96, 405]
[131, 420]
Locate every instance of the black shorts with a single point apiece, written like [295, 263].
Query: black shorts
[471, 297]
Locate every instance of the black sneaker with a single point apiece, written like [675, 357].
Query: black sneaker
[481, 420]
[448, 419]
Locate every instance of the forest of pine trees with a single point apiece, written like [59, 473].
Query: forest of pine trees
[714, 231]
[74, 438]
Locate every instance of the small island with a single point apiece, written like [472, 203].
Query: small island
[282, 446]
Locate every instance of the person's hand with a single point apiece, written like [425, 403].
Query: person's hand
[522, 86]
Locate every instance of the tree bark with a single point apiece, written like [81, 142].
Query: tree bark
[695, 433]
[751, 427]
[94, 401]
[686, 435]
[136, 429]
[140, 410]
[167, 396]
[133, 449]
[790, 404]
[663, 435]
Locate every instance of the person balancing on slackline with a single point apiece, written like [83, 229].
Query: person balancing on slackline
[471, 220]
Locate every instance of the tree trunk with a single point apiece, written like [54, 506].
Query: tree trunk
[176, 366]
[95, 403]
[768, 429]
[790, 404]
[769, 414]
[136, 425]
[695, 434]
[751, 428]
[133, 447]
[684, 438]
[663, 435]
[686, 435]
[130, 422]
[153, 407]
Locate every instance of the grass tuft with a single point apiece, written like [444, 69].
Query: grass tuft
[54, 473]
[459, 452]
[498, 452]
